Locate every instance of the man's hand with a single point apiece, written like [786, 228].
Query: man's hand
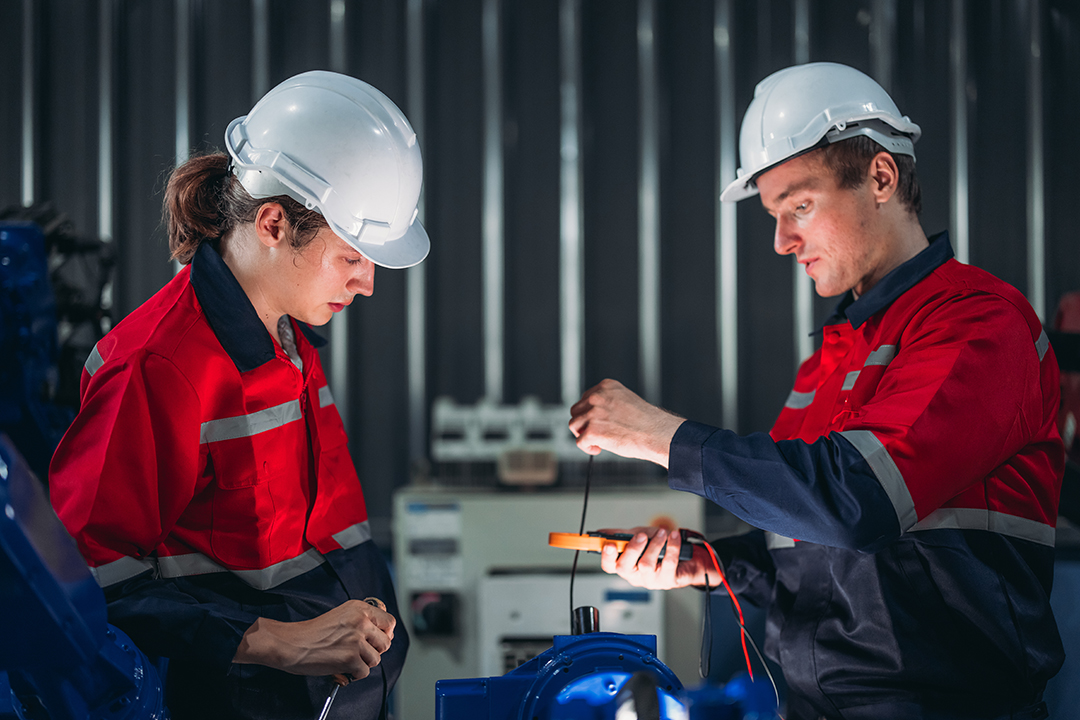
[637, 564]
[350, 639]
[611, 417]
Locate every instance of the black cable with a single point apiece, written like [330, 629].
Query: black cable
[705, 659]
[581, 531]
[748, 636]
[382, 711]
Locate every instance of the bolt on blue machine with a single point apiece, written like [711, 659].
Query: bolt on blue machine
[60, 659]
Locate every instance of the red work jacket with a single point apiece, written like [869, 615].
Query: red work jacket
[189, 456]
[909, 490]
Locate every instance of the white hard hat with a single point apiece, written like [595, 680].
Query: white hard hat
[338, 145]
[803, 107]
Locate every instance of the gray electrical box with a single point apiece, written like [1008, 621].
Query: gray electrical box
[481, 590]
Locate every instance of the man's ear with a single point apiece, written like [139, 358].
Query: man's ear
[884, 177]
[271, 224]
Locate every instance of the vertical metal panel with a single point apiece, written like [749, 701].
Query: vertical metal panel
[803, 292]
[106, 190]
[416, 277]
[883, 42]
[727, 278]
[29, 103]
[260, 48]
[493, 211]
[106, 59]
[1036, 210]
[183, 81]
[959, 165]
[182, 87]
[648, 204]
[571, 201]
[339, 325]
[337, 35]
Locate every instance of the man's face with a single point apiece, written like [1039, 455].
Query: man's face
[322, 278]
[831, 231]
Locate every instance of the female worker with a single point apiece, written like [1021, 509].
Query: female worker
[207, 478]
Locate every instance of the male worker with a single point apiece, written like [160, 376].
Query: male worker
[909, 488]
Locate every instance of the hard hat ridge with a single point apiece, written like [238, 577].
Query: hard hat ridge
[801, 108]
[336, 144]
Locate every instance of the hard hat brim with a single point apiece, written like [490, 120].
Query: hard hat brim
[739, 189]
[408, 250]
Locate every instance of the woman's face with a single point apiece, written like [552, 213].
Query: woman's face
[322, 279]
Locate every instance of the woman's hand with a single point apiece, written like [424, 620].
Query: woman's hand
[638, 564]
[350, 639]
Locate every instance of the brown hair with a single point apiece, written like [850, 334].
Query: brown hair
[848, 160]
[205, 201]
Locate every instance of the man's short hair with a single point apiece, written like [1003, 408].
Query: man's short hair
[848, 159]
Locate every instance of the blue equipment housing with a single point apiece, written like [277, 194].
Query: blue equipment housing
[28, 362]
[60, 659]
[581, 677]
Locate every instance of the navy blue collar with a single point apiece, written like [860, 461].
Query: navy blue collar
[231, 315]
[896, 283]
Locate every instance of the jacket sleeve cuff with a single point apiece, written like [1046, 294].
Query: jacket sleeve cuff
[684, 457]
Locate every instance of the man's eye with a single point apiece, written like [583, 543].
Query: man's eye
[354, 261]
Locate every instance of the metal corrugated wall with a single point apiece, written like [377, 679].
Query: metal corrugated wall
[573, 153]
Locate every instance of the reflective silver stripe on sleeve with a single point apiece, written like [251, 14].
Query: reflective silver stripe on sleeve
[285, 570]
[94, 361]
[264, 579]
[353, 535]
[777, 542]
[1042, 344]
[882, 356]
[877, 457]
[120, 570]
[172, 566]
[325, 398]
[849, 380]
[975, 519]
[799, 400]
[248, 425]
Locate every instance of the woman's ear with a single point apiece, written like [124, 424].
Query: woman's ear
[271, 225]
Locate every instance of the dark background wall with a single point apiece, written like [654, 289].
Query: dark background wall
[141, 56]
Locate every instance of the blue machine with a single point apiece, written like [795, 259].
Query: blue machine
[595, 676]
[59, 658]
[28, 362]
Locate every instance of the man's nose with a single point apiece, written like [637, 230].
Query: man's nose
[786, 237]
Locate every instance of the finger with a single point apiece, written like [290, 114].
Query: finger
[580, 407]
[631, 554]
[651, 555]
[359, 668]
[587, 446]
[608, 557]
[378, 640]
[369, 655]
[384, 621]
[578, 424]
[670, 563]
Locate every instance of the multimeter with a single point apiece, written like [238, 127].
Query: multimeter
[594, 542]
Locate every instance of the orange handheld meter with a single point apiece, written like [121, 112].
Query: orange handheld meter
[594, 542]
